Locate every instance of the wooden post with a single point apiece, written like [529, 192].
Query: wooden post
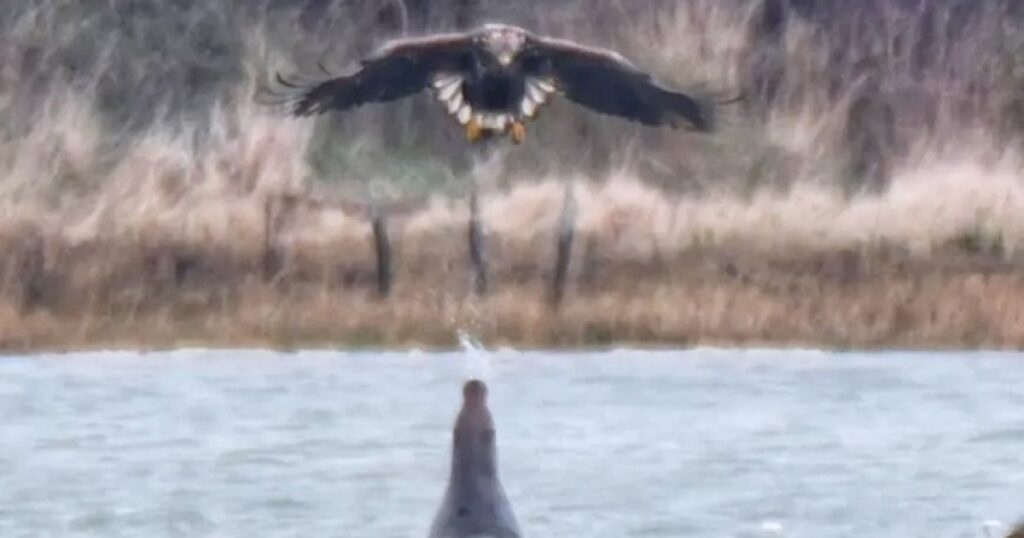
[486, 154]
[563, 250]
[31, 271]
[476, 245]
[382, 246]
[271, 262]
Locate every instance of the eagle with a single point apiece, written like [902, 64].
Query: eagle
[491, 80]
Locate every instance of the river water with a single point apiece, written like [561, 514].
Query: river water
[697, 443]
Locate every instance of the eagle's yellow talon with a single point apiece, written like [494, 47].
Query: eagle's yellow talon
[518, 132]
[473, 130]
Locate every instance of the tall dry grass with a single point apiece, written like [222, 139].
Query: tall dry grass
[872, 168]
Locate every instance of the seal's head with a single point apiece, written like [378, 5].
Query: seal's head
[474, 431]
[475, 504]
[474, 393]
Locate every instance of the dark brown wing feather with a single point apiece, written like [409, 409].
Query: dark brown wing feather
[399, 69]
[606, 82]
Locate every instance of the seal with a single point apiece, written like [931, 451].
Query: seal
[475, 504]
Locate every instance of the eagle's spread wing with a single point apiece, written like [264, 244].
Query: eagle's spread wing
[606, 82]
[399, 69]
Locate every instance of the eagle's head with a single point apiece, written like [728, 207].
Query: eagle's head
[503, 41]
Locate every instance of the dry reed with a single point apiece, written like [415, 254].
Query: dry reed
[868, 193]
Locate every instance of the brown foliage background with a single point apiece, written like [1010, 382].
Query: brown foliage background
[135, 169]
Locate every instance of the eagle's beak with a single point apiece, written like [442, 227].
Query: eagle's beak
[505, 58]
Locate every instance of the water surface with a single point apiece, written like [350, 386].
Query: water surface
[700, 443]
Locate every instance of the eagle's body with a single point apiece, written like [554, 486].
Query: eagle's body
[493, 79]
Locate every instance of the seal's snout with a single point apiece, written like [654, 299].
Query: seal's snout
[474, 392]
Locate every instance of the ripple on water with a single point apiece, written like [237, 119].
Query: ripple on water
[608, 444]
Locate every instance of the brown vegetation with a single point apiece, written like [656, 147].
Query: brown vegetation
[867, 193]
[633, 278]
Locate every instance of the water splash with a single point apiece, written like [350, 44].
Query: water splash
[772, 528]
[469, 343]
[994, 528]
[478, 358]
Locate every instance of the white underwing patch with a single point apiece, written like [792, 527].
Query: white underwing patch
[528, 107]
[449, 91]
[545, 85]
[455, 103]
[442, 81]
[536, 94]
[464, 114]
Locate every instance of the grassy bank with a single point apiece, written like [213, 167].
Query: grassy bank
[644, 270]
[866, 192]
[883, 312]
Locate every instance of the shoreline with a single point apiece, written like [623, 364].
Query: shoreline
[842, 300]
[628, 270]
[829, 210]
[320, 347]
